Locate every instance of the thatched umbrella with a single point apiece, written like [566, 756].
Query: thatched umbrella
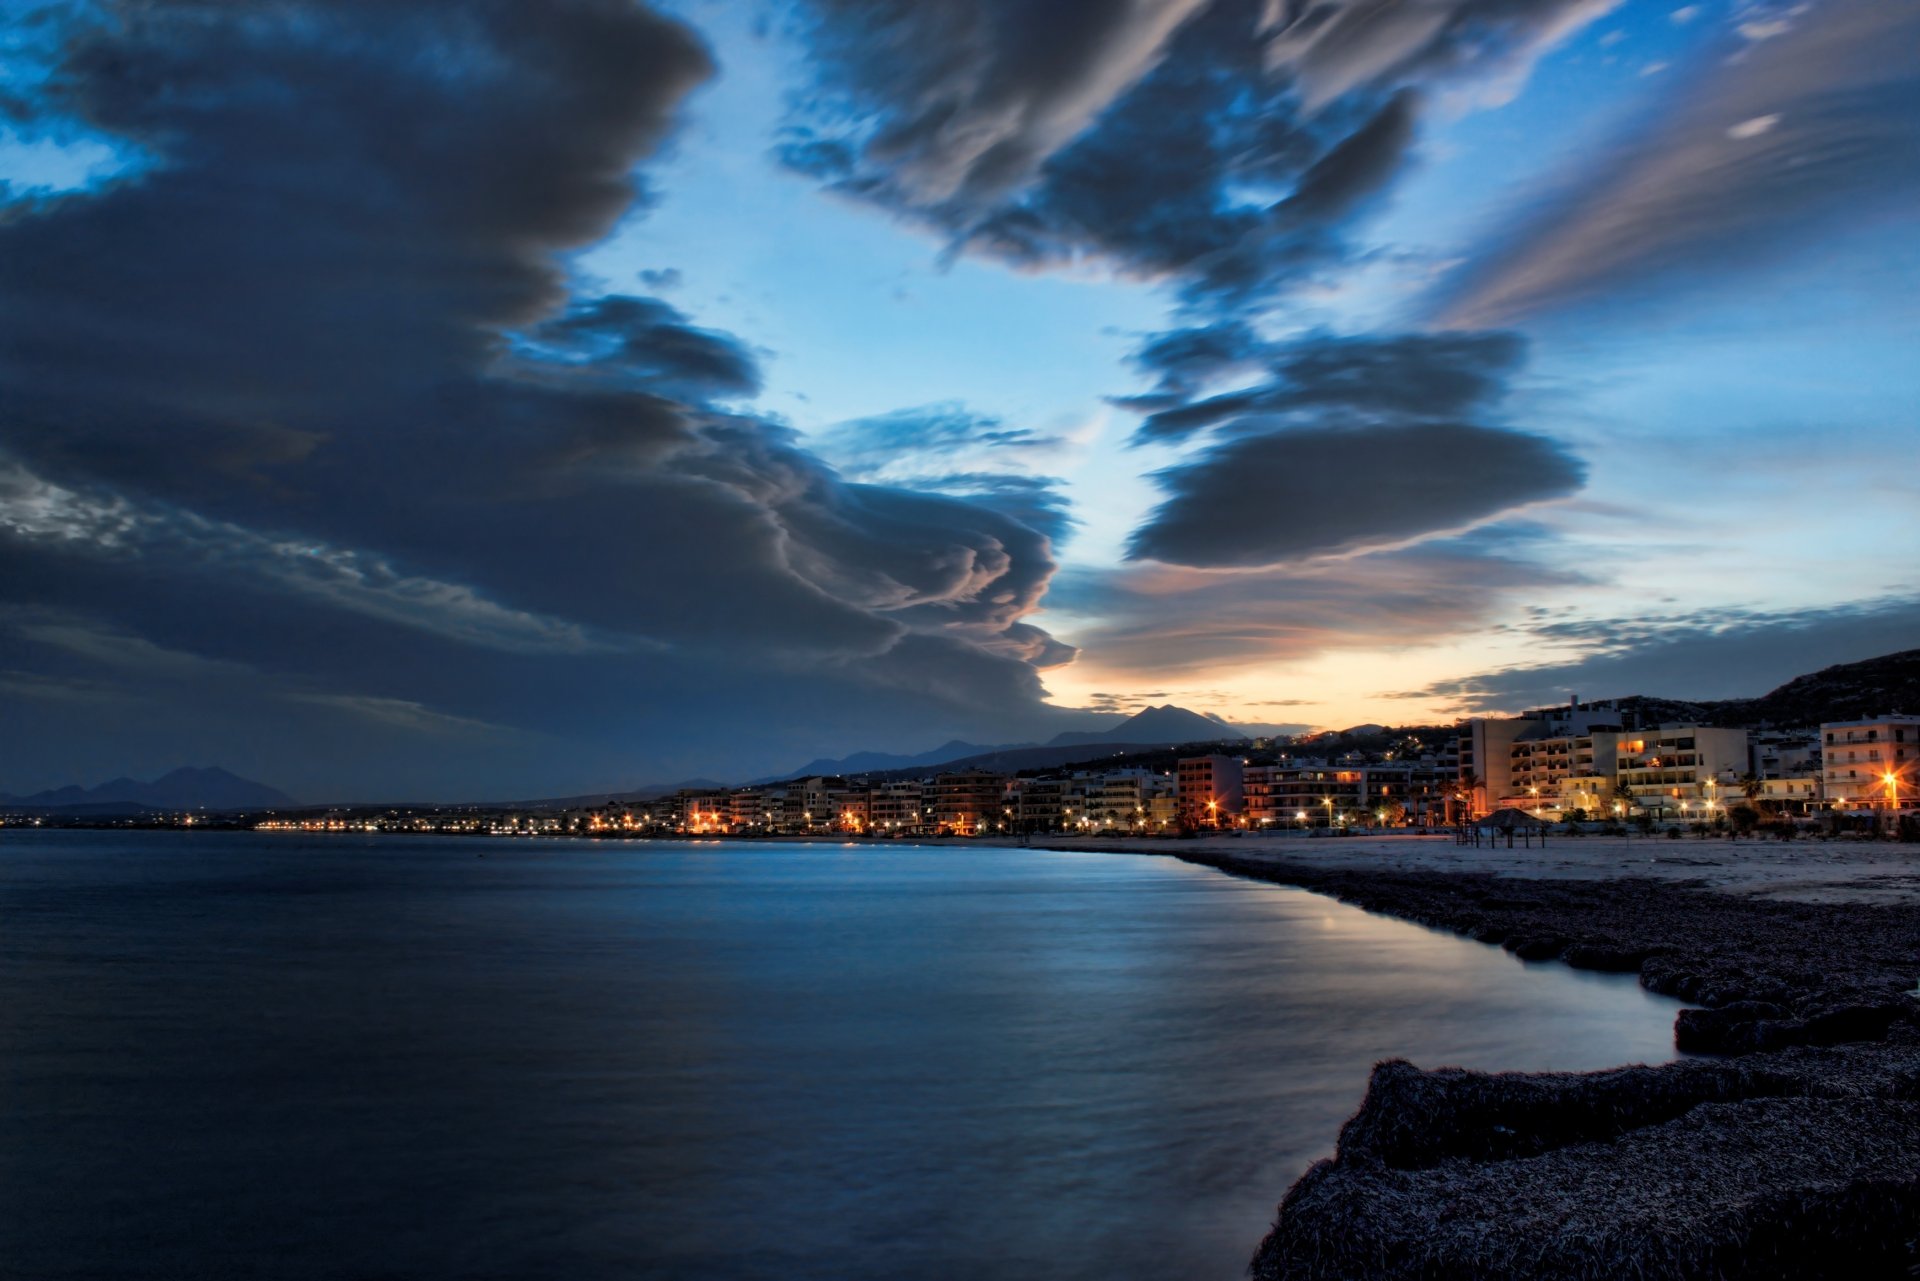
[1510, 821]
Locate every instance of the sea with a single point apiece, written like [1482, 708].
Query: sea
[277, 1055]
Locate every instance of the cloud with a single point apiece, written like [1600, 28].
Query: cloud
[1318, 491]
[1403, 377]
[1225, 147]
[1711, 654]
[980, 94]
[947, 448]
[869, 445]
[310, 394]
[644, 344]
[1338, 46]
[1818, 122]
[1351, 444]
[1165, 622]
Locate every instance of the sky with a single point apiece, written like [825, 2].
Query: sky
[406, 401]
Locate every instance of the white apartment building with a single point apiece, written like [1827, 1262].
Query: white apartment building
[1124, 798]
[1870, 764]
[1683, 771]
[1526, 762]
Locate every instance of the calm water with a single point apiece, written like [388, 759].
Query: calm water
[291, 1057]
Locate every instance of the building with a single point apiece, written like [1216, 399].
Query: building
[752, 810]
[1051, 804]
[1784, 753]
[1683, 771]
[852, 810]
[807, 804]
[1123, 799]
[1528, 761]
[705, 812]
[969, 802]
[897, 808]
[1210, 790]
[1870, 764]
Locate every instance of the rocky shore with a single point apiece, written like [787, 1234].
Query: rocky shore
[1794, 1151]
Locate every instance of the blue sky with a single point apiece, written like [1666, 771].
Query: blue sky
[424, 406]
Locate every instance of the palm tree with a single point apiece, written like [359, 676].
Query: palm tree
[1624, 794]
[1469, 784]
[1752, 787]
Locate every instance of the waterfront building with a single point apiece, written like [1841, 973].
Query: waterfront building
[1256, 788]
[896, 808]
[1527, 761]
[1050, 804]
[704, 811]
[1683, 771]
[807, 804]
[1210, 790]
[1163, 810]
[852, 810]
[1784, 753]
[1801, 795]
[969, 802]
[1870, 764]
[751, 810]
[1122, 799]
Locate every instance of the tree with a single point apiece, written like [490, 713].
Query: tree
[1463, 795]
[1751, 787]
[1624, 794]
[1745, 818]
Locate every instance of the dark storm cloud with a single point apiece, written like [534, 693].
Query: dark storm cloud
[647, 344]
[1225, 144]
[1817, 122]
[1351, 444]
[307, 396]
[1317, 491]
[1719, 654]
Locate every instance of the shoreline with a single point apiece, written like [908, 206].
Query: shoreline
[1795, 1150]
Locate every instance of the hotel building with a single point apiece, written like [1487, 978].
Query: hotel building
[1870, 764]
[1210, 790]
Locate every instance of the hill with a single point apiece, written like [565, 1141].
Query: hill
[208, 788]
[1843, 692]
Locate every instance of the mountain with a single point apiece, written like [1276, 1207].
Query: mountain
[586, 800]
[877, 762]
[210, 788]
[1152, 726]
[1844, 692]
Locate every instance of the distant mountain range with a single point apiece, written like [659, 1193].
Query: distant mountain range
[1844, 692]
[1163, 726]
[210, 788]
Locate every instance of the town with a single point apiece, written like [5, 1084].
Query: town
[1593, 764]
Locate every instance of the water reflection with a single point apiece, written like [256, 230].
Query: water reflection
[316, 1057]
